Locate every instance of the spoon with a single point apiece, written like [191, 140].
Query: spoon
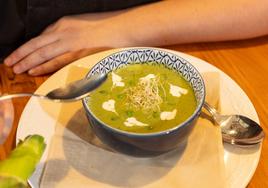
[237, 129]
[72, 92]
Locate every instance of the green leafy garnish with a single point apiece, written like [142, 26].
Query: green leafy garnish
[114, 118]
[150, 127]
[129, 113]
[102, 91]
[120, 96]
[155, 114]
[131, 83]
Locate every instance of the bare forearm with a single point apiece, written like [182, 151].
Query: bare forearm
[163, 23]
[185, 21]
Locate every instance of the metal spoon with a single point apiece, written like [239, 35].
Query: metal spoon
[237, 129]
[69, 93]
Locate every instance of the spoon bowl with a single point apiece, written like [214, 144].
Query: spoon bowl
[237, 129]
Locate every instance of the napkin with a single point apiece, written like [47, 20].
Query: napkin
[77, 158]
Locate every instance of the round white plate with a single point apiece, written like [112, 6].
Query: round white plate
[240, 163]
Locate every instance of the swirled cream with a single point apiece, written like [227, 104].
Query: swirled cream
[130, 122]
[109, 105]
[148, 77]
[168, 115]
[117, 80]
[177, 91]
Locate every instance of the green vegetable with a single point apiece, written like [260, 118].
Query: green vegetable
[120, 96]
[155, 114]
[20, 164]
[114, 118]
[150, 127]
[102, 91]
[131, 83]
[129, 113]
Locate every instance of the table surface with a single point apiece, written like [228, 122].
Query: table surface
[244, 61]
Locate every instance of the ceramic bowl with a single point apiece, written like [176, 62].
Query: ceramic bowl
[147, 144]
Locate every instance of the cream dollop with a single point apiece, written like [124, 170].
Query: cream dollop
[130, 122]
[109, 105]
[168, 115]
[177, 91]
[148, 77]
[117, 80]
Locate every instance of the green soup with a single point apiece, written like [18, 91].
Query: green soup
[143, 99]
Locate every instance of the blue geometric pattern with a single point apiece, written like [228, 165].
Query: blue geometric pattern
[153, 56]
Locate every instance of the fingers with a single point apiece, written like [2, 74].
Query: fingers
[40, 56]
[55, 63]
[49, 29]
[30, 47]
[59, 62]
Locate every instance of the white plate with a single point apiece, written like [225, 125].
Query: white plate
[240, 163]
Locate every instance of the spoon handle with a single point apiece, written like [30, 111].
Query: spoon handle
[17, 95]
[210, 109]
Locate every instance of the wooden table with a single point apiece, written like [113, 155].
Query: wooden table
[244, 61]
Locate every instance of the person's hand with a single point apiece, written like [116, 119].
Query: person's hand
[68, 39]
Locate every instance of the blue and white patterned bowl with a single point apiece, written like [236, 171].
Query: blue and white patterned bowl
[147, 144]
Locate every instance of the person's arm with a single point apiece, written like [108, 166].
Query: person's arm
[157, 24]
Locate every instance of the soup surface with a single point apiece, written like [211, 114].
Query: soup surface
[143, 99]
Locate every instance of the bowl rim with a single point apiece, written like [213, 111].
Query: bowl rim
[194, 115]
